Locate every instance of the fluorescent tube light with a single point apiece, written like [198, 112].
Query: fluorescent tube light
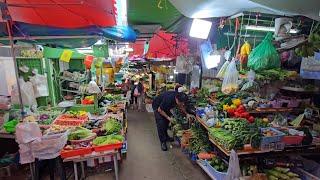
[200, 28]
[265, 28]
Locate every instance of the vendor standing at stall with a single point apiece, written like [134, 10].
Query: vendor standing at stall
[162, 105]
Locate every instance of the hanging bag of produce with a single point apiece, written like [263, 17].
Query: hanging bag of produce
[251, 85]
[264, 56]
[223, 70]
[230, 79]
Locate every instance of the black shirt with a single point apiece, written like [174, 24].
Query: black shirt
[166, 101]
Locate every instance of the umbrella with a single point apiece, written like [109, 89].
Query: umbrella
[162, 45]
[63, 13]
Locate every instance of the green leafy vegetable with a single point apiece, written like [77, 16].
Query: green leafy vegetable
[79, 133]
[110, 139]
[112, 126]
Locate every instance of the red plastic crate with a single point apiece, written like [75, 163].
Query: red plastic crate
[76, 152]
[292, 140]
[107, 147]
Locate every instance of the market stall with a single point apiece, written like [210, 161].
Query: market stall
[255, 119]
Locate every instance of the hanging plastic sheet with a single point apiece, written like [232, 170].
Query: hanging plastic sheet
[118, 33]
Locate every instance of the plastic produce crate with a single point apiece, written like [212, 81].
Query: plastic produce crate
[107, 147]
[292, 140]
[271, 139]
[272, 146]
[76, 152]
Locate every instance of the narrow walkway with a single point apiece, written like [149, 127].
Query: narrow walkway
[145, 160]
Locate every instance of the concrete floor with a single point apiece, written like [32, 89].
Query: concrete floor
[145, 160]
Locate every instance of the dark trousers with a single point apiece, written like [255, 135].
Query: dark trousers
[162, 126]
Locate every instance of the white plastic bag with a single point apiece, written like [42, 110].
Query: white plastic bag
[223, 70]
[27, 93]
[136, 92]
[49, 146]
[184, 64]
[93, 88]
[40, 85]
[180, 64]
[230, 79]
[26, 133]
[234, 171]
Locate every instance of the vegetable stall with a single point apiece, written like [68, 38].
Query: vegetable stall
[263, 115]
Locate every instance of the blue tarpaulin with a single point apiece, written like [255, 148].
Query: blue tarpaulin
[118, 33]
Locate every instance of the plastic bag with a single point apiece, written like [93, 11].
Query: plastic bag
[40, 85]
[223, 70]
[93, 88]
[27, 93]
[10, 126]
[230, 80]
[27, 132]
[136, 92]
[234, 171]
[49, 146]
[250, 85]
[264, 56]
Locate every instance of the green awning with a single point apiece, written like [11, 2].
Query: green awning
[146, 12]
[55, 53]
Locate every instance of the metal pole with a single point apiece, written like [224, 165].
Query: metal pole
[15, 65]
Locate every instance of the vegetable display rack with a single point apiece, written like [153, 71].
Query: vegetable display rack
[239, 152]
[202, 123]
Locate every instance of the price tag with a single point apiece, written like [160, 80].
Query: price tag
[66, 55]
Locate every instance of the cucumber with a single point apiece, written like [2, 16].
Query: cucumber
[271, 177]
[291, 174]
[282, 170]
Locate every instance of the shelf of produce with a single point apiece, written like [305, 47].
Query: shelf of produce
[300, 90]
[240, 152]
[71, 80]
[74, 91]
[205, 169]
[202, 122]
[119, 116]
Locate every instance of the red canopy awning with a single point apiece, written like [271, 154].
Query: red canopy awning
[162, 45]
[64, 13]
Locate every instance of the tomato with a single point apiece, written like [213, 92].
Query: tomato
[241, 107]
[231, 112]
[251, 119]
